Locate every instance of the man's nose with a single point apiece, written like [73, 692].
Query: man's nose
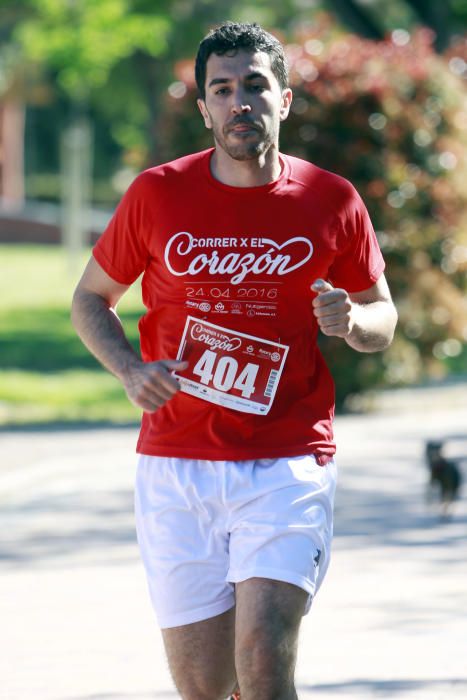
[240, 104]
[241, 108]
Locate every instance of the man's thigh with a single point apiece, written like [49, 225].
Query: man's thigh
[201, 656]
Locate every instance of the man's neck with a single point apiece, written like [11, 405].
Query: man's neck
[246, 173]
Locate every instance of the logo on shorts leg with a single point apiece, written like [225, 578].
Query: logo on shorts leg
[317, 558]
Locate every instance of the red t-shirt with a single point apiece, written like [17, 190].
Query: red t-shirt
[226, 283]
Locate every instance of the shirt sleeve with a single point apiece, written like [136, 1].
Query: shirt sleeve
[359, 262]
[121, 250]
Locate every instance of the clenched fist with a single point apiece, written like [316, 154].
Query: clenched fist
[149, 385]
[333, 309]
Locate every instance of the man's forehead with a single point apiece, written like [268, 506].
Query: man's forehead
[237, 62]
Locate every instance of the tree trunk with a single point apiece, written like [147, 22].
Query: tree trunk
[356, 18]
[435, 15]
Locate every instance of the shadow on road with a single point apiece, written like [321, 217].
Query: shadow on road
[69, 528]
[398, 519]
[376, 688]
[155, 695]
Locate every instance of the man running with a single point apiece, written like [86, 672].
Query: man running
[245, 254]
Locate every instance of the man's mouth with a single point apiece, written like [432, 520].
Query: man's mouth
[242, 127]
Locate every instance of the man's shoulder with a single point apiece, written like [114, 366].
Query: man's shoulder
[312, 177]
[155, 182]
[180, 167]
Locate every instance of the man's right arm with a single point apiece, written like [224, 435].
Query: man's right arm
[148, 385]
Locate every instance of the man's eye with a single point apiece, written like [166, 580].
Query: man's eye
[257, 88]
[222, 91]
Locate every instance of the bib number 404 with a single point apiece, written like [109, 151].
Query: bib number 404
[224, 373]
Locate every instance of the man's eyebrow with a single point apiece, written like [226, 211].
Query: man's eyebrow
[218, 81]
[255, 75]
[251, 76]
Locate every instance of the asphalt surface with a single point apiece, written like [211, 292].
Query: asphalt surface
[76, 624]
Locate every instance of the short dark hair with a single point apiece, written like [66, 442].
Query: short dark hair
[233, 36]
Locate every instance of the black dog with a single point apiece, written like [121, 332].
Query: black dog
[445, 476]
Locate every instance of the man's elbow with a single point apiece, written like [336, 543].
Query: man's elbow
[377, 336]
[394, 317]
[75, 307]
[388, 337]
[83, 304]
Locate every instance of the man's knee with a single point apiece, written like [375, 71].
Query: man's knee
[263, 651]
[204, 681]
[199, 688]
[201, 657]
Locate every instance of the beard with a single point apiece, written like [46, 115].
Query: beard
[244, 146]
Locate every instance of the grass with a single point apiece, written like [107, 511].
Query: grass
[46, 374]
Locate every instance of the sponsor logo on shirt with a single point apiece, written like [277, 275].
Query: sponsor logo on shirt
[202, 306]
[186, 254]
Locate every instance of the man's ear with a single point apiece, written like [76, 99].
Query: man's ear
[285, 105]
[205, 113]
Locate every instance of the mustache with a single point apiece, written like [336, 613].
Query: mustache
[246, 121]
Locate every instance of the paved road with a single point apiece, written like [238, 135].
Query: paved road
[76, 623]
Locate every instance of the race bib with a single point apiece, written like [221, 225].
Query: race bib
[228, 368]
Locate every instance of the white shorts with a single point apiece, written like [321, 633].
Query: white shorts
[205, 525]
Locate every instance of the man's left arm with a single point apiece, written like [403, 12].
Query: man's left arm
[365, 320]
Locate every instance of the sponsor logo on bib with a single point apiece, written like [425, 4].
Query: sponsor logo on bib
[212, 337]
[186, 254]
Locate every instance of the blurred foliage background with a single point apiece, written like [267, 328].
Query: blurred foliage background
[379, 97]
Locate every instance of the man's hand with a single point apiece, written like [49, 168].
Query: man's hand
[333, 309]
[365, 320]
[149, 385]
